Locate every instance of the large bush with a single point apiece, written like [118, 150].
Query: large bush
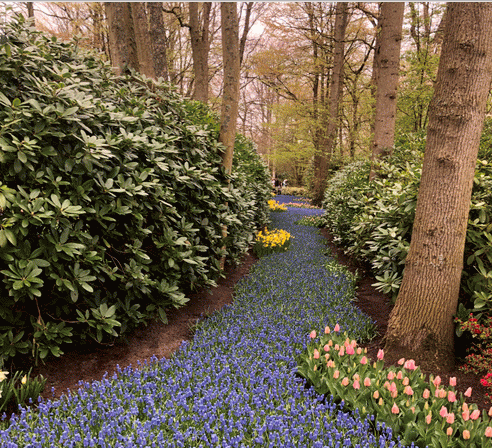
[373, 220]
[113, 198]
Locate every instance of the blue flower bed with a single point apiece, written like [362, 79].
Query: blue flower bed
[235, 384]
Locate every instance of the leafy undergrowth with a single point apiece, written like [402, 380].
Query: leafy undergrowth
[235, 383]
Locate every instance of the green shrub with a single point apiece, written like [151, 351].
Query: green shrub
[374, 220]
[294, 191]
[113, 197]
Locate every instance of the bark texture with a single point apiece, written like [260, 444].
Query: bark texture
[122, 46]
[159, 40]
[230, 100]
[322, 161]
[142, 39]
[421, 323]
[200, 47]
[387, 65]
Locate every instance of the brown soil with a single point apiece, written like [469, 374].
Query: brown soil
[161, 340]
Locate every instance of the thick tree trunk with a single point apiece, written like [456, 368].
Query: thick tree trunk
[387, 62]
[122, 46]
[322, 161]
[421, 324]
[200, 47]
[230, 100]
[142, 39]
[159, 40]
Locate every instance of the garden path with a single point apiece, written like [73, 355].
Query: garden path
[157, 339]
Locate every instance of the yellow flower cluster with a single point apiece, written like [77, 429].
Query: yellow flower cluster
[275, 206]
[275, 238]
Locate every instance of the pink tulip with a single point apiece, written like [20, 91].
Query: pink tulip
[437, 381]
[342, 351]
[426, 394]
[367, 381]
[408, 390]
[326, 348]
[451, 396]
[380, 355]
[337, 328]
[330, 363]
[410, 365]
[337, 347]
[356, 377]
[428, 418]
[312, 335]
[475, 414]
[490, 411]
[336, 374]
[399, 376]
[395, 409]
[466, 434]
[405, 381]
[443, 412]
[363, 360]
[375, 395]
[466, 415]
[316, 354]
[327, 356]
[345, 382]
[401, 361]
[350, 350]
[468, 392]
[465, 406]
[442, 393]
[353, 343]
[391, 375]
[452, 381]
[449, 431]
[327, 330]
[392, 387]
[356, 385]
[450, 418]
[359, 350]
[488, 431]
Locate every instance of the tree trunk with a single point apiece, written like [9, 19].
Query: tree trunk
[200, 47]
[322, 161]
[142, 39]
[387, 61]
[159, 40]
[421, 324]
[30, 10]
[122, 46]
[230, 100]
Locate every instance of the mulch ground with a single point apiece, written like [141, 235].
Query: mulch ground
[159, 340]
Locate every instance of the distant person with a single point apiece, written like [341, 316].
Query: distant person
[284, 183]
[278, 186]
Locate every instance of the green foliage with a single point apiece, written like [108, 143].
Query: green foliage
[374, 220]
[113, 197]
[20, 389]
[294, 191]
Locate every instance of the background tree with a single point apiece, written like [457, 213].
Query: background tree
[230, 100]
[387, 63]
[122, 44]
[322, 160]
[421, 323]
[200, 46]
[158, 39]
[142, 39]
